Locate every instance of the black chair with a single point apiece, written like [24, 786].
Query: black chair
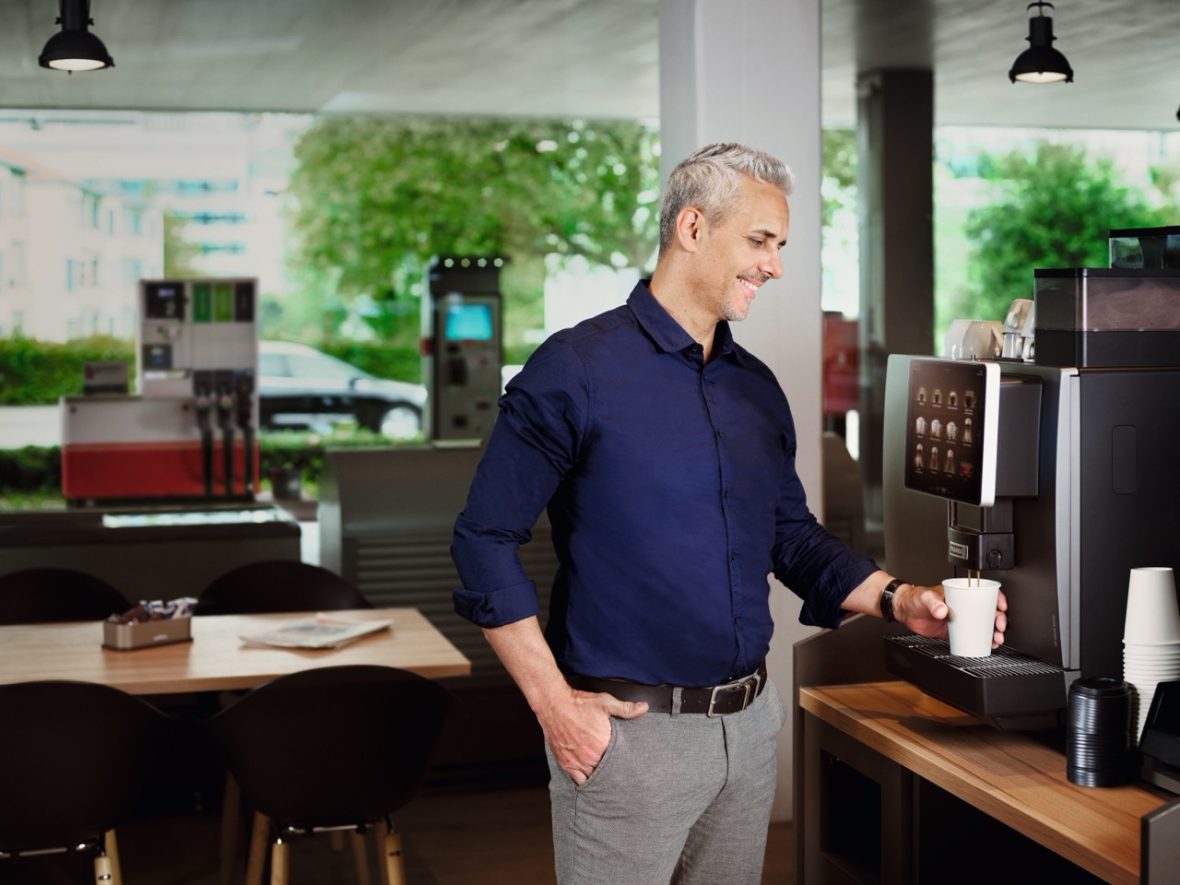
[278, 586]
[270, 586]
[74, 758]
[333, 748]
[47, 595]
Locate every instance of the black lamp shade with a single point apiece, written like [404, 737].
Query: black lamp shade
[1040, 63]
[75, 51]
[74, 48]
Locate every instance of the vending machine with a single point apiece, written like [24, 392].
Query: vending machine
[462, 350]
[189, 432]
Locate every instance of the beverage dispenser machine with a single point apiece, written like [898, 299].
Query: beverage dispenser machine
[1053, 473]
[462, 346]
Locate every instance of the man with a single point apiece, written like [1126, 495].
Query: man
[665, 455]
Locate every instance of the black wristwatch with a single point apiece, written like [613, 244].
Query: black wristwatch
[887, 599]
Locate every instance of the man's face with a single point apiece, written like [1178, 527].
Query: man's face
[742, 252]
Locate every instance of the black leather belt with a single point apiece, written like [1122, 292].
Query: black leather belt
[712, 700]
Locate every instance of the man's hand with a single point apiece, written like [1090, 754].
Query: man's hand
[924, 611]
[577, 729]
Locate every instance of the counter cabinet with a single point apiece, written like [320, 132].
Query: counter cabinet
[893, 786]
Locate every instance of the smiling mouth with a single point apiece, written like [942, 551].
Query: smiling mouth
[750, 284]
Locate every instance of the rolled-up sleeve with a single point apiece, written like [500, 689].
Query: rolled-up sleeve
[808, 559]
[533, 445]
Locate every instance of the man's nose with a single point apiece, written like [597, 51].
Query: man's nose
[772, 266]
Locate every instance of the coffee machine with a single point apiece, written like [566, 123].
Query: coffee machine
[1051, 468]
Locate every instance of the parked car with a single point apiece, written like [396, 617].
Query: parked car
[301, 387]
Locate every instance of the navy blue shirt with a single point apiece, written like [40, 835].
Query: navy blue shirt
[671, 490]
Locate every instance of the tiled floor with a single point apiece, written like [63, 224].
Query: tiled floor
[488, 837]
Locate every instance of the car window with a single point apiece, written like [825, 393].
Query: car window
[273, 364]
[321, 367]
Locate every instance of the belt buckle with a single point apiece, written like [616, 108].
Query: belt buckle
[746, 685]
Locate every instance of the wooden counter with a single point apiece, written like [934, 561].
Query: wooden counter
[1009, 776]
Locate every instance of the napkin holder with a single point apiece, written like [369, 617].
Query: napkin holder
[146, 634]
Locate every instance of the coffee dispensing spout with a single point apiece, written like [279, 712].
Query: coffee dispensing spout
[982, 538]
[225, 418]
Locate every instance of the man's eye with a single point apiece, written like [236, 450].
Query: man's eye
[754, 241]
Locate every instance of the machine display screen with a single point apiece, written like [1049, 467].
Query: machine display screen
[469, 322]
[164, 301]
[952, 415]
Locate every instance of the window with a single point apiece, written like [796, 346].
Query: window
[90, 204]
[324, 367]
[212, 217]
[132, 271]
[222, 248]
[17, 264]
[273, 364]
[133, 220]
[18, 192]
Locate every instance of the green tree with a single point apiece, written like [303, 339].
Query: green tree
[179, 254]
[375, 198]
[1054, 208]
[839, 172]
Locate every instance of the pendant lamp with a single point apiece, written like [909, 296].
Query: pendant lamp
[1040, 63]
[74, 48]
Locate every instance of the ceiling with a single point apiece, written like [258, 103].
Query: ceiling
[592, 58]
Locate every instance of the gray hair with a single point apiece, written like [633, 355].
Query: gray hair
[709, 179]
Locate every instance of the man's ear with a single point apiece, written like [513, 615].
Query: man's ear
[690, 227]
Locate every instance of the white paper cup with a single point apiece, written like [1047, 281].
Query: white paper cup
[972, 620]
[1152, 612]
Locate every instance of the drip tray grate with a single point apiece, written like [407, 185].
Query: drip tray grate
[1004, 685]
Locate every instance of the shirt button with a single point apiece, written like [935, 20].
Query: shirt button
[733, 556]
[719, 434]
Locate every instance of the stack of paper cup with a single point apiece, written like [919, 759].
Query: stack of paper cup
[1151, 638]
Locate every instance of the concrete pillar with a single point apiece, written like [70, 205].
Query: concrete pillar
[749, 71]
[895, 134]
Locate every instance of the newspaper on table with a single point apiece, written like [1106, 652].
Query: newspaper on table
[322, 631]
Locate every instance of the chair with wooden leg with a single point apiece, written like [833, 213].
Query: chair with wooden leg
[74, 757]
[269, 586]
[50, 595]
[334, 748]
[279, 585]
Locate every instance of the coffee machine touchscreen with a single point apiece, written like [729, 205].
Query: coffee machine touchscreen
[951, 430]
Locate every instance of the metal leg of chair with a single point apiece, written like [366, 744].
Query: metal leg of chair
[278, 862]
[257, 849]
[391, 848]
[360, 858]
[231, 821]
[111, 847]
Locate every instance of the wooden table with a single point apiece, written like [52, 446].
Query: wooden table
[1014, 779]
[216, 659]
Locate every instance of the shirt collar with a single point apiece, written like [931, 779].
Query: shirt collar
[668, 334]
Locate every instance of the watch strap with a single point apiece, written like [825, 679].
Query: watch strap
[887, 599]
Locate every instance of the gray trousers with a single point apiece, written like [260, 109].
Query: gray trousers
[681, 799]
